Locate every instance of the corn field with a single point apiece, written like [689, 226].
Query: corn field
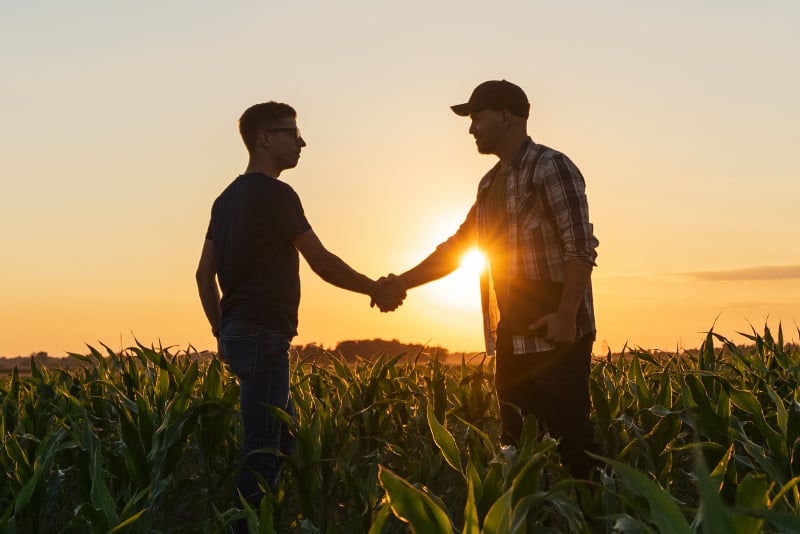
[147, 441]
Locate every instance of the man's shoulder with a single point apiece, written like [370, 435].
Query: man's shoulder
[542, 158]
[255, 184]
[541, 153]
[274, 185]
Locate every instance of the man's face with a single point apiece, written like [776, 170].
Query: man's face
[487, 129]
[285, 142]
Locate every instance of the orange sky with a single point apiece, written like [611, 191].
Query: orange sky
[119, 128]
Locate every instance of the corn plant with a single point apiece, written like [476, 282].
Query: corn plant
[147, 440]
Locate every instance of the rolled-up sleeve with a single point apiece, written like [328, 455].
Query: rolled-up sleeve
[565, 190]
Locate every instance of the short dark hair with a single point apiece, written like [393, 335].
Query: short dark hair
[258, 117]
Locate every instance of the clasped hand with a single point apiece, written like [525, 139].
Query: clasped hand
[389, 294]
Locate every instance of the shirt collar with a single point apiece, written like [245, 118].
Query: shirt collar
[516, 163]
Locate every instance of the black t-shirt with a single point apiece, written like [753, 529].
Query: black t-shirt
[253, 225]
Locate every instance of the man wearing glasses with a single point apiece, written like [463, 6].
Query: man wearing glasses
[257, 228]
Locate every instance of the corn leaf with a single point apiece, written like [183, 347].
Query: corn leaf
[414, 506]
[665, 512]
[444, 440]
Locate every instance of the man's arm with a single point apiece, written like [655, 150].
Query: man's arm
[336, 272]
[561, 326]
[445, 259]
[207, 286]
[439, 264]
[565, 190]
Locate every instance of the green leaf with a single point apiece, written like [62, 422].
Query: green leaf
[126, 523]
[715, 516]
[783, 522]
[642, 388]
[751, 492]
[748, 402]
[665, 512]
[444, 440]
[487, 440]
[519, 515]
[266, 515]
[380, 519]
[789, 486]
[15, 453]
[783, 415]
[24, 495]
[526, 482]
[498, 519]
[709, 423]
[600, 403]
[414, 506]
[775, 443]
[707, 357]
[472, 523]
[100, 496]
[718, 474]
[212, 383]
[186, 386]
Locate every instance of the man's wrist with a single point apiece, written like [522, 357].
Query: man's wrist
[373, 288]
[400, 281]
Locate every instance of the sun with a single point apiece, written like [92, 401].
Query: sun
[460, 290]
[473, 261]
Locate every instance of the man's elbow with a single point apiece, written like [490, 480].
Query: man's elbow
[584, 251]
[326, 266]
[324, 269]
[204, 276]
[582, 259]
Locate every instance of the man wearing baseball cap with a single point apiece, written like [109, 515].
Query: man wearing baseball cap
[531, 219]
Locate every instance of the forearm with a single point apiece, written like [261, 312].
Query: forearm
[336, 272]
[445, 259]
[209, 298]
[576, 279]
[435, 266]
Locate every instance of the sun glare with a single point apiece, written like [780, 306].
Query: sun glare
[460, 290]
[473, 261]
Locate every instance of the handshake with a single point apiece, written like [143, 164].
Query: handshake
[388, 293]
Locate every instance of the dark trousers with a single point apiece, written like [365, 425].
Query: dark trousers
[260, 359]
[554, 387]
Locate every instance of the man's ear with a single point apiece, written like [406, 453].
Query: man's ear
[263, 139]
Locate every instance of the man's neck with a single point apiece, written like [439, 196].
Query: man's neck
[509, 150]
[263, 167]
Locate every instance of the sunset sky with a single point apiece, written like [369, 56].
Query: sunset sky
[118, 128]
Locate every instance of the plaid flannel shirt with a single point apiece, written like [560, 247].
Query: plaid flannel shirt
[548, 225]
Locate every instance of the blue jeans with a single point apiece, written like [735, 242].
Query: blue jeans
[260, 359]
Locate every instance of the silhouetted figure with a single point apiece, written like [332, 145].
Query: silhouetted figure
[257, 228]
[531, 219]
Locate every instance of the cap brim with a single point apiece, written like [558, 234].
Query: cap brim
[461, 109]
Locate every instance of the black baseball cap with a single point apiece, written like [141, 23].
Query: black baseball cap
[497, 95]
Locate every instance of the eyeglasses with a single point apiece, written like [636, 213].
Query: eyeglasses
[295, 131]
